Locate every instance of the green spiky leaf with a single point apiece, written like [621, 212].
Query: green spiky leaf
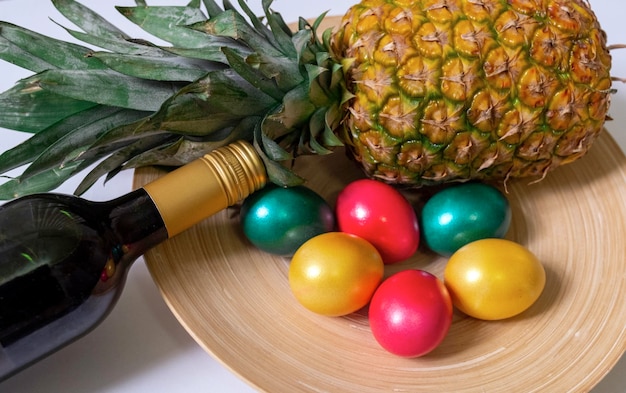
[161, 68]
[276, 172]
[28, 107]
[89, 21]
[131, 47]
[212, 8]
[296, 109]
[59, 54]
[255, 20]
[253, 75]
[280, 31]
[43, 182]
[300, 41]
[33, 147]
[79, 140]
[211, 53]
[231, 24]
[169, 24]
[273, 150]
[219, 100]
[194, 4]
[114, 162]
[121, 90]
[15, 55]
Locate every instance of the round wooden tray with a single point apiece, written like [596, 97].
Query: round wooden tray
[236, 302]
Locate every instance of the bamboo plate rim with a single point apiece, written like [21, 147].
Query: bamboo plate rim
[235, 301]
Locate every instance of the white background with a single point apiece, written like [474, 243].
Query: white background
[141, 347]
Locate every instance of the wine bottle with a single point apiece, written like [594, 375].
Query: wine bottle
[63, 259]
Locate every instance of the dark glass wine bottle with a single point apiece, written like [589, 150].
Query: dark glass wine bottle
[63, 259]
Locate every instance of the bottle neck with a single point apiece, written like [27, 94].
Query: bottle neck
[136, 222]
[134, 226]
[203, 187]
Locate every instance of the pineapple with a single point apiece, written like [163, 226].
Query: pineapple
[420, 92]
[451, 90]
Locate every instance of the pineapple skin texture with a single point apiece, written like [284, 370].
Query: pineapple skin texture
[455, 90]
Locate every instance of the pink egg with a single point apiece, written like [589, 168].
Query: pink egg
[410, 313]
[380, 214]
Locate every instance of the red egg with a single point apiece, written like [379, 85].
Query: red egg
[380, 214]
[410, 313]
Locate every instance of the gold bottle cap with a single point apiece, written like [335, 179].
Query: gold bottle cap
[207, 185]
[239, 168]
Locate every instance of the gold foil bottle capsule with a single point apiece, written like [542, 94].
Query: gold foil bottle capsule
[207, 185]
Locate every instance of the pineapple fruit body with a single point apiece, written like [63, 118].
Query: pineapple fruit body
[452, 90]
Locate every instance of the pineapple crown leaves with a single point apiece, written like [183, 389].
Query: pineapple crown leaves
[222, 77]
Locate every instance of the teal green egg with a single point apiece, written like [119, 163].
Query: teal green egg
[461, 214]
[279, 220]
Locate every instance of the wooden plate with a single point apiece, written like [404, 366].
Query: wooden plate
[236, 302]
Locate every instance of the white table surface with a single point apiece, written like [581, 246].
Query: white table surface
[141, 347]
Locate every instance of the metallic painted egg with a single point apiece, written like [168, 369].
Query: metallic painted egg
[464, 213]
[279, 220]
